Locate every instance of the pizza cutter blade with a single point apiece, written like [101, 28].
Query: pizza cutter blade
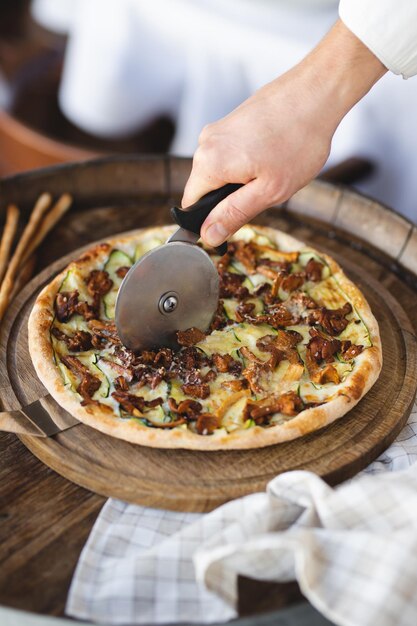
[173, 287]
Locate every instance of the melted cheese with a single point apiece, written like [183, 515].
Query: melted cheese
[230, 340]
[327, 293]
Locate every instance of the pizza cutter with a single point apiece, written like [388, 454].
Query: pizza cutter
[173, 287]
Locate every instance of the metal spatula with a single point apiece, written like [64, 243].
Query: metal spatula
[36, 419]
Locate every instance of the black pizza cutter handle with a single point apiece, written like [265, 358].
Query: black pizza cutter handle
[194, 216]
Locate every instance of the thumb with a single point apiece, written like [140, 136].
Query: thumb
[233, 212]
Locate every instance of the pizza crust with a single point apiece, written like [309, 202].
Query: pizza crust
[367, 366]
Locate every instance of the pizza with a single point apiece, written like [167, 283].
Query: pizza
[292, 347]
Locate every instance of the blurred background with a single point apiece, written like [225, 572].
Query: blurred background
[80, 78]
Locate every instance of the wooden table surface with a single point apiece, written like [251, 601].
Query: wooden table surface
[44, 519]
[44, 523]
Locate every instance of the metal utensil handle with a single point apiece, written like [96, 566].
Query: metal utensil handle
[193, 217]
[20, 422]
[34, 419]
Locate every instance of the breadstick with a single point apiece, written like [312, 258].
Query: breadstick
[23, 276]
[47, 224]
[42, 205]
[9, 233]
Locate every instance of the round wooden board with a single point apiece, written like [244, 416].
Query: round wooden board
[200, 481]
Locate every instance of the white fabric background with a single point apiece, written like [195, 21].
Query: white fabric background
[195, 60]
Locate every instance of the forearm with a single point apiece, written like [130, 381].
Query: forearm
[339, 72]
[388, 28]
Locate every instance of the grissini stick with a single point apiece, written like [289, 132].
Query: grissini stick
[42, 205]
[8, 236]
[24, 275]
[49, 221]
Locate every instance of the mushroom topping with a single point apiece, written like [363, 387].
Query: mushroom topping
[245, 253]
[201, 391]
[65, 305]
[332, 320]
[207, 423]
[190, 409]
[89, 383]
[99, 283]
[328, 374]
[288, 403]
[349, 350]
[314, 270]
[190, 337]
[135, 405]
[226, 363]
[122, 271]
[80, 341]
[321, 348]
[231, 286]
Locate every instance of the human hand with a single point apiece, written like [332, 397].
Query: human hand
[279, 139]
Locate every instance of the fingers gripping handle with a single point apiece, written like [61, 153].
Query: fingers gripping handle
[194, 216]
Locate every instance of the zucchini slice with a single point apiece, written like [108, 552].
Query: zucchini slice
[74, 280]
[248, 233]
[116, 260]
[146, 246]
[224, 342]
[357, 332]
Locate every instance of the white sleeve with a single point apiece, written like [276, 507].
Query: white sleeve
[388, 28]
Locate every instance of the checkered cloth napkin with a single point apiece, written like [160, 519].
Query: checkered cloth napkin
[352, 549]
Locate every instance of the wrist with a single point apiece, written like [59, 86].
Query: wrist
[340, 71]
